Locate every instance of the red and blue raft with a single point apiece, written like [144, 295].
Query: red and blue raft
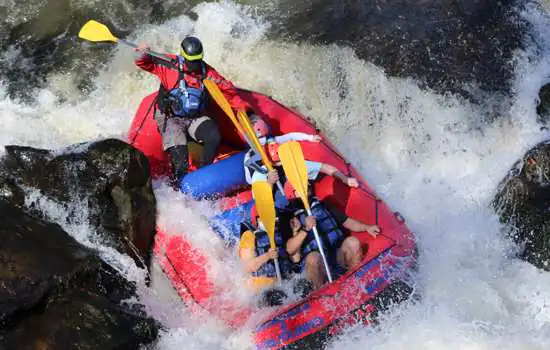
[355, 297]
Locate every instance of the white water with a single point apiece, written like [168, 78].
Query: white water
[428, 156]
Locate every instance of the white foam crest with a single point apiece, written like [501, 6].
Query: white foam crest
[181, 215]
[205, 335]
[73, 219]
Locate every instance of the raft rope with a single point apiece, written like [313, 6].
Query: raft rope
[143, 120]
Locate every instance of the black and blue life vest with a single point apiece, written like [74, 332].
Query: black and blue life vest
[186, 101]
[330, 233]
[262, 246]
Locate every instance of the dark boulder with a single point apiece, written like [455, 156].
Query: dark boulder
[55, 292]
[523, 204]
[11, 193]
[446, 44]
[110, 178]
[543, 106]
[83, 320]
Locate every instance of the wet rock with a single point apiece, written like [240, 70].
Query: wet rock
[445, 44]
[11, 193]
[543, 106]
[85, 322]
[523, 204]
[56, 292]
[110, 179]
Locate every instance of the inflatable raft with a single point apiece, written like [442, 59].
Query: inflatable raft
[356, 296]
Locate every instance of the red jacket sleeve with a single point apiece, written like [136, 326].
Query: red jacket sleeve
[145, 62]
[228, 89]
[167, 74]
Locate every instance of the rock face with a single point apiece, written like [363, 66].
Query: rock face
[523, 203]
[445, 43]
[109, 177]
[57, 294]
[543, 106]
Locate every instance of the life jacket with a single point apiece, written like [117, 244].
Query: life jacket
[330, 233]
[188, 99]
[253, 162]
[262, 246]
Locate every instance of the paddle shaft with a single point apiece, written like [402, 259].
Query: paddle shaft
[320, 244]
[278, 269]
[149, 52]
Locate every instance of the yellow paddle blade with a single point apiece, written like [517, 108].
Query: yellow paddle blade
[294, 165]
[266, 208]
[245, 130]
[95, 31]
[245, 122]
[220, 99]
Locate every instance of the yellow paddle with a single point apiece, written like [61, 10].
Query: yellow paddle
[97, 32]
[263, 197]
[220, 99]
[294, 165]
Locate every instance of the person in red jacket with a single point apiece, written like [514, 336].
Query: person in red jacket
[182, 101]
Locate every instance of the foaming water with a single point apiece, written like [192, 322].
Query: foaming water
[182, 216]
[77, 225]
[437, 159]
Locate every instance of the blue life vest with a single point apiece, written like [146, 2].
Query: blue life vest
[330, 233]
[262, 246]
[186, 101]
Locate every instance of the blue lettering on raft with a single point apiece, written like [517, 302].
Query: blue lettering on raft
[387, 277]
[368, 267]
[289, 314]
[288, 335]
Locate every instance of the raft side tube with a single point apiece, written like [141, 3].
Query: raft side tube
[216, 179]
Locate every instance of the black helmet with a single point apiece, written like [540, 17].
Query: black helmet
[191, 49]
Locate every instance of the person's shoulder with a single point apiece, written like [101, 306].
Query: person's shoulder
[248, 240]
[248, 234]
